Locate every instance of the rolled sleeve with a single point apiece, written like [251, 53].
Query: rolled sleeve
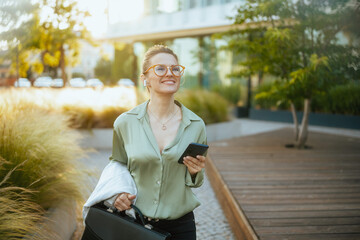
[198, 181]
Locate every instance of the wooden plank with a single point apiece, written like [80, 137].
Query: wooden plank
[303, 214]
[283, 222]
[332, 236]
[290, 193]
[308, 229]
[236, 218]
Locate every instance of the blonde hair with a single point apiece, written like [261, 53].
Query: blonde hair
[156, 49]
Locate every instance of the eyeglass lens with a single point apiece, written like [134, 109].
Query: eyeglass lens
[161, 70]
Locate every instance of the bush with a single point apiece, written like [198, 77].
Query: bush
[211, 107]
[37, 153]
[78, 116]
[340, 99]
[232, 92]
[107, 116]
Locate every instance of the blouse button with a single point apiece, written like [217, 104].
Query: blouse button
[158, 182]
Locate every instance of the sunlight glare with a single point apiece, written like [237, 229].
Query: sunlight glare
[119, 11]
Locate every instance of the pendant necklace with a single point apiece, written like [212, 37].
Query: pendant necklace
[163, 127]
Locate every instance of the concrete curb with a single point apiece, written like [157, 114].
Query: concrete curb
[60, 222]
[102, 138]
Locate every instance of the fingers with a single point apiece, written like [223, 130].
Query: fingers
[194, 164]
[199, 161]
[123, 201]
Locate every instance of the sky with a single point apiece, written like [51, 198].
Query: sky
[119, 10]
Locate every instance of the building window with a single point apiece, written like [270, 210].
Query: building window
[209, 2]
[166, 6]
[192, 3]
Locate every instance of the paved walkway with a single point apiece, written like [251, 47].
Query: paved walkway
[210, 220]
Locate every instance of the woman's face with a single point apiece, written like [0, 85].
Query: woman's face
[167, 83]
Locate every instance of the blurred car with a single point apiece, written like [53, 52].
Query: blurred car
[77, 82]
[43, 82]
[22, 82]
[126, 82]
[57, 83]
[94, 82]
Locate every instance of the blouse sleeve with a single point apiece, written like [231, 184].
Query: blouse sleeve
[118, 150]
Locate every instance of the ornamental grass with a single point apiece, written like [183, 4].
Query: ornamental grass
[38, 167]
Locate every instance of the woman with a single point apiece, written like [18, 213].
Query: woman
[150, 139]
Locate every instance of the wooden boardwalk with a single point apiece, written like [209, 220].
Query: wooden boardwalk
[270, 192]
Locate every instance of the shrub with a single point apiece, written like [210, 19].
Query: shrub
[79, 116]
[37, 162]
[232, 92]
[342, 99]
[106, 117]
[211, 107]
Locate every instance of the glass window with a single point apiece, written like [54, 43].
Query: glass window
[187, 50]
[209, 2]
[192, 3]
[166, 6]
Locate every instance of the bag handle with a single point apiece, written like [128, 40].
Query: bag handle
[141, 216]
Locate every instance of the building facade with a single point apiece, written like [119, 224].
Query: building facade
[188, 27]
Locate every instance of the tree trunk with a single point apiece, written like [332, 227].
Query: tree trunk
[296, 123]
[62, 65]
[248, 102]
[17, 64]
[304, 125]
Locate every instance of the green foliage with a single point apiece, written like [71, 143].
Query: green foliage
[123, 65]
[211, 107]
[78, 75]
[231, 93]
[107, 116]
[79, 116]
[37, 167]
[46, 149]
[340, 99]
[103, 70]
[298, 43]
[266, 97]
[50, 36]
[19, 216]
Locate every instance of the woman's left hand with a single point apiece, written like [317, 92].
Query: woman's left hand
[194, 165]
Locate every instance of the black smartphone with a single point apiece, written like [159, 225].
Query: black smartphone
[193, 150]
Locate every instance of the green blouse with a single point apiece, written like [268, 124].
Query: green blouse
[164, 185]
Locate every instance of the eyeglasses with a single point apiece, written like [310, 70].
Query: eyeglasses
[160, 70]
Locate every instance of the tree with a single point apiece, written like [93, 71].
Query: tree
[296, 42]
[103, 70]
[18, 21]
[54, 37]
[124, 64]
[60, 34]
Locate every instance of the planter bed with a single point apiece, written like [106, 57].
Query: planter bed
[317, 119]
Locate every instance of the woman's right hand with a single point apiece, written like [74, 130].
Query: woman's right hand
[123, 201]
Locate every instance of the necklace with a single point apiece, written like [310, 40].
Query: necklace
[163, 127]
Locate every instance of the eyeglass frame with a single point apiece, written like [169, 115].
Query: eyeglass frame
[167, 68]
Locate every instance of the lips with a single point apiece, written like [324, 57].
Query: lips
[168, 81]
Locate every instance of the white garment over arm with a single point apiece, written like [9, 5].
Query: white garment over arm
[114, 179]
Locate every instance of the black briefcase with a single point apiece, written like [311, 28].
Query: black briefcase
[100, 223]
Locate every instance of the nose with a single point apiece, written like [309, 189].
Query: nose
[168, 72]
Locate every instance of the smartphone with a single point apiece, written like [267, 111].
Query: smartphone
[193, 150]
